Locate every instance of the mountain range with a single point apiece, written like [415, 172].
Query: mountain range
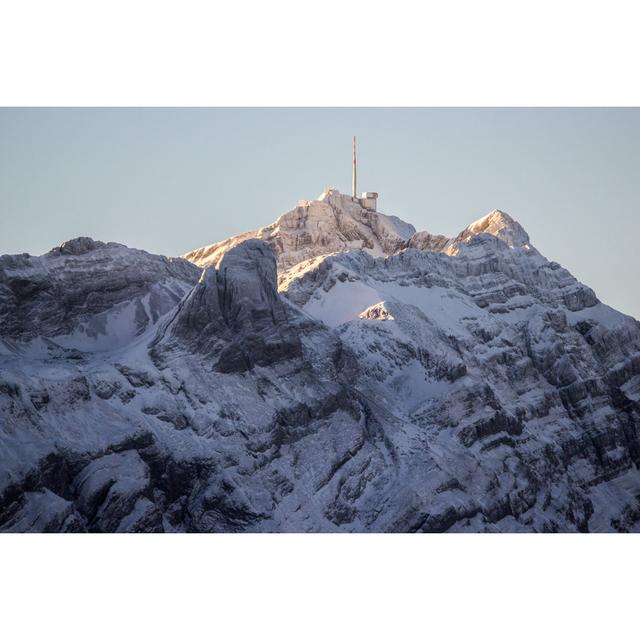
[333, 371]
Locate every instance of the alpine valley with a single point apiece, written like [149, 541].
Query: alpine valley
[333, 371]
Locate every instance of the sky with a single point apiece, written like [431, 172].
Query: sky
[171, 180]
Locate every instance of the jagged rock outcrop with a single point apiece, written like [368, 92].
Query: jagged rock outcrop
[425, 241]
[235, 315]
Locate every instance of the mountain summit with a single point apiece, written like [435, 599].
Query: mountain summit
[498, 224]
[332, 223]
[333, 371]
[337, 223]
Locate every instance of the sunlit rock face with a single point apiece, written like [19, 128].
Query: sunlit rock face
[335, 371]
[333, 223]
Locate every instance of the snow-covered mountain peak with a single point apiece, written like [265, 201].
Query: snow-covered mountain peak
[333, 223]
[499, 224]
[338, 223]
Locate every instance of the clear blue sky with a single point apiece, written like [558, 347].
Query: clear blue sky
[170, 180]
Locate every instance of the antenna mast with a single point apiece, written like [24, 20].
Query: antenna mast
[353, 180]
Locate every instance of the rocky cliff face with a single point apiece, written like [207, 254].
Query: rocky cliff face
[396, 381]
[234, 314]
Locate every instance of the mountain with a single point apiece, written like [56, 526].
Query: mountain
[334, 371]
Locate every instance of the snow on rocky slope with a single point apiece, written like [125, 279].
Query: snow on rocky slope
[392, 381]
[505, 370]
[89, 294]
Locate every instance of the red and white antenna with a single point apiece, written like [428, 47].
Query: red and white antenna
[353, 180]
